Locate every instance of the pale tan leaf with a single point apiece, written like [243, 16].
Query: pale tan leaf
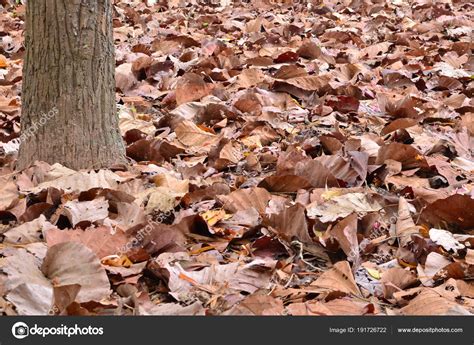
[405, 226]
[90, 211]
[191, 135]
[32, 299]
[338, 278]
[342, 206]
[100, 240]
[29, 232]
[80, 181]
[9, 191]
[396, 279]
[429, 303]
[73, 263]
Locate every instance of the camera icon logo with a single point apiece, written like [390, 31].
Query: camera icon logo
[20, 330]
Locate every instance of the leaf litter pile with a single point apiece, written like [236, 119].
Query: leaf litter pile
[312, 159]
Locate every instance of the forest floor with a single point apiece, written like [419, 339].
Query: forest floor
[285, 160]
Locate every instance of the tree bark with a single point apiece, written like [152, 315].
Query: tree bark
[68, 99]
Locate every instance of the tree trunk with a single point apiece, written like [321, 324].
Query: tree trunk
[68, 98]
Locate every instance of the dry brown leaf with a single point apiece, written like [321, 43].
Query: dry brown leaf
[430, 303]
[100, 240]
[396, 279]
[28, 232]
[73, 263]
[31, 289]
[235, 277]
[190, 134]
[9, 192]
[257, 305]
[345, 232]
[342, 206]
[243, 199]
[309, 83]
[291, 224]
[86, 211]
[338, 278]
[192, 87]
[72, 181]
[284, 183]
[250, 77]
[410, 157]
[405, 226]
[453, 213]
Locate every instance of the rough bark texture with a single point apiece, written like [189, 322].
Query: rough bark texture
[68, 99]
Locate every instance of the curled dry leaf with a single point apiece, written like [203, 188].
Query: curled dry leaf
[338, 278]
[291, 224]
[396, 279]
[405, 226]
[410, 157]
[345, 232]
